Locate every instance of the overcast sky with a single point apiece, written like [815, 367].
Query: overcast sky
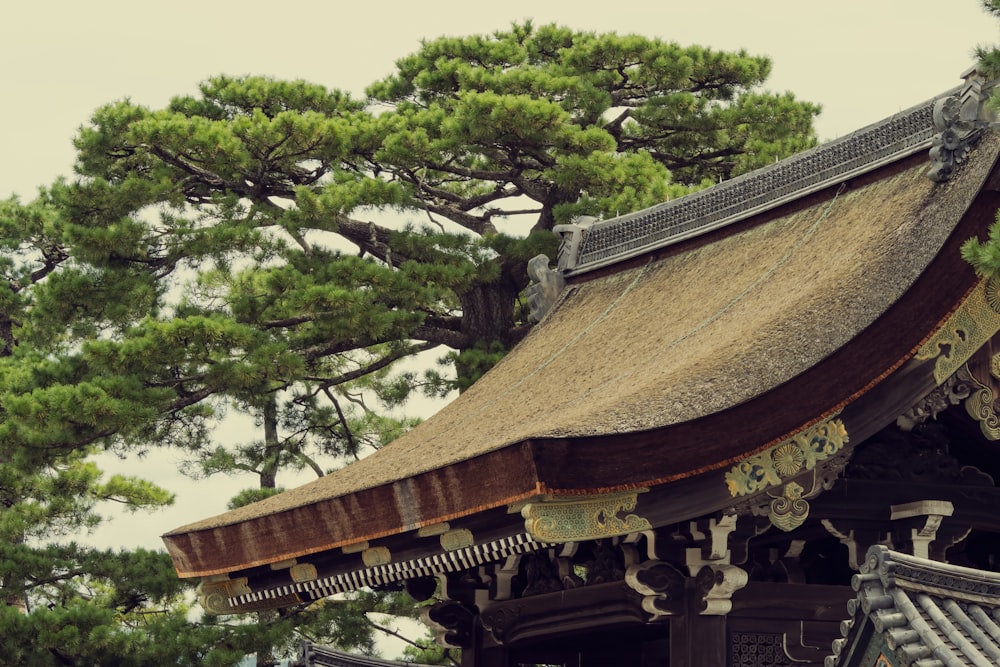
[861, 59]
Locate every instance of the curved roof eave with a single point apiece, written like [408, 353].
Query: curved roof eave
[657, 371]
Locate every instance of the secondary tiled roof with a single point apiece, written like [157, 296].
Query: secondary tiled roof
[313, 655]
[923, 613]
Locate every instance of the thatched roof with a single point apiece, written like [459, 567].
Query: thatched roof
[665, 364]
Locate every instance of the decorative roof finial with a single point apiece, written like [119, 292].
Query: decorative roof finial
[546, 284]
[959, 121]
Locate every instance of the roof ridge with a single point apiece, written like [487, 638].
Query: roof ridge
[916, 574]
[590, 244]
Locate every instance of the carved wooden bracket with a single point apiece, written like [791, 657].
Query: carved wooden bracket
[955, 389]
[451, 622]
[214, 593]
[575, 610]
[716, 584]
[921, 529]
[661, 585]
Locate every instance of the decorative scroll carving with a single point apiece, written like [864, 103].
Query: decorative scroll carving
[451, 622]
[604, 565]
[953, 391]
[982, 404]
[717, 583]
[787, 459]
[499, 620]
[576, 519]
[966, 330]
[790, 509]
[959, 121]
[214, 595]
[661, 586]
[921, 456]
[546, 284]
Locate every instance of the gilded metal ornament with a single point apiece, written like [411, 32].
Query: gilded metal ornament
[575, 518]
[214, 595]
[787, 459]
[981, 406]
[376, 556]
[790, 509]
[965, 331]
[303, 572]
[459, 538]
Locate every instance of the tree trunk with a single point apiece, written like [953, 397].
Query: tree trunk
[488, 321]
[269, 480]
[272, 444]
[488, 312]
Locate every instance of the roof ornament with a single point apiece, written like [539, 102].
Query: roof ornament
[546, 285]
[573, 235]
[959, 121]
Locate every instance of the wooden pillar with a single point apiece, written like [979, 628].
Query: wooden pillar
[484, 652]
[696, 640]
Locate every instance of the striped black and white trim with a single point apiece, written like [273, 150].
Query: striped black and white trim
[428, 566]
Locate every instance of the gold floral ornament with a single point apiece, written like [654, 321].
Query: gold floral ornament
[789, 458]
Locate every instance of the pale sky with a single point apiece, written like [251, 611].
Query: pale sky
[861, 59]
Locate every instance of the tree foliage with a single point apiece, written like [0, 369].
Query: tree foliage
[985, 255]
[276, 249]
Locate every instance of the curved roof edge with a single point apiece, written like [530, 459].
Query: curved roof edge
[922, 611]
[322, 515]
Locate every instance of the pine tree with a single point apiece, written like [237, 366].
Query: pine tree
[275, 248]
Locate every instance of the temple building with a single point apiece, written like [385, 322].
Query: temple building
[755, 426]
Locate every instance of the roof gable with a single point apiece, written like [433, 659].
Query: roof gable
[922, 612]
